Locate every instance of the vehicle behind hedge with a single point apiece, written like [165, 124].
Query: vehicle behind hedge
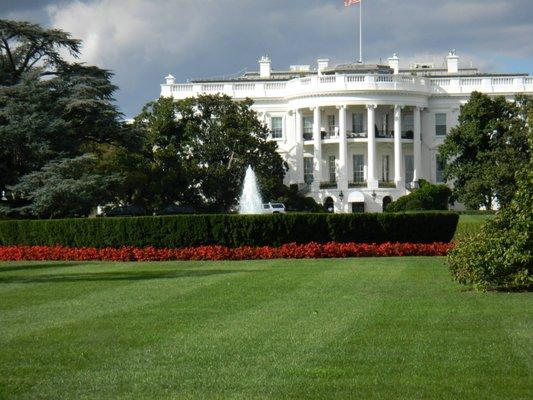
[231, 230]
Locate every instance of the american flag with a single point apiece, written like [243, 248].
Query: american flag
[348, 3]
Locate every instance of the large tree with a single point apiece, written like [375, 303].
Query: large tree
[50, 108]
[485, 150]
[196, 151]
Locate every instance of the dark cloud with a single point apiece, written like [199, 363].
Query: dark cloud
[143, 40]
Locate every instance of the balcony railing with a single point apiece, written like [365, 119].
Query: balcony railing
[328, 185]
[387, 184]
[356, 184]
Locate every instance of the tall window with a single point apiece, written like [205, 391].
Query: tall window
[385, 168]
[358, 168]
[331, 169]
[409, 168]
[408, 124]
[357, 123]
[440, 124]
[331, 124]
[385, 125]
[440, 171]
[277, 127]
[308, 127]
[308, 170]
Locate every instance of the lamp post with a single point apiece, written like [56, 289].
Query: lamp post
[374, 195]
[341, 196]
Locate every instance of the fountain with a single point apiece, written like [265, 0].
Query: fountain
[250, 201]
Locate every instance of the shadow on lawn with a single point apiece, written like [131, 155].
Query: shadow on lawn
[117, 276]
[22, 267]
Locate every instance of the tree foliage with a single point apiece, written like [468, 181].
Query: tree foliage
[426, 197]
[485, 150]
[64, 188]
[501, 255]
[196, 151]
[50, 109]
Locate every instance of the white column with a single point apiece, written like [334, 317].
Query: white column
[398, 146]
[372, 182]
[317, 147]
[417, 145]
[299, 140]
[343, 150]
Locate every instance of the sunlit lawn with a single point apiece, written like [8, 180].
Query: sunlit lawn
[336, 329]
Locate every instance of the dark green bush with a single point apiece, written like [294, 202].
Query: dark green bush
[426, 197]
[231, 230]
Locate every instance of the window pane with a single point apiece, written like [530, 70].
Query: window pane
[409, 168]
[440, 168]
[277, 127]
[357, 122]
[308, 170]
[331, 168]
[308, 128]
[331, 124]
[440, 124]
[358, 168]
[385, 168]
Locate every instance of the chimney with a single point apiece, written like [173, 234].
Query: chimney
[323, 63]
[452, 62]
[170, 79]
[394, 63]
[264, 67]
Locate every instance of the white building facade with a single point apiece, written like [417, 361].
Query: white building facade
[358, 136]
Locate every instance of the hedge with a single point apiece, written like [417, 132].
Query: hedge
[231, 230]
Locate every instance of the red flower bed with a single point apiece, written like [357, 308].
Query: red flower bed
[215, 253]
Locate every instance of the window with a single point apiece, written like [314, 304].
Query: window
[308, 170]
[409, 168]
[408, 123]
[277, 127]
[331, 124]
[440, 124]
[308, 128]
[358, 168]
[385, 168]
[440, 169]
[357, 123]
[385, 125]
[331, 169]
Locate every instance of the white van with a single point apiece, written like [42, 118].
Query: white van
[273, 208]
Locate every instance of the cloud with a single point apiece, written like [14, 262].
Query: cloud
[142, 40]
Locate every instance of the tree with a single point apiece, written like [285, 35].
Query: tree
[24, 45]
[501, 255]
[196, 152]
[485, 150]
[64, 188]
[51, 109]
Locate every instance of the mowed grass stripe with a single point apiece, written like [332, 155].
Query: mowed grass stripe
[94, 291]
[361, 328]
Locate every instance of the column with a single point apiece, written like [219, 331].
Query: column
[299, 140]
[398, 146]
[343, 150]
[317, 147]
[417, 145]
[372, 182]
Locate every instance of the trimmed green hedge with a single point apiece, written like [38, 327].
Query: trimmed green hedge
[232, 230]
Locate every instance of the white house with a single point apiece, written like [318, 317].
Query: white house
[357, 136]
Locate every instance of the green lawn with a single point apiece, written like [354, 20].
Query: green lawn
[470, 224]
[306, 329]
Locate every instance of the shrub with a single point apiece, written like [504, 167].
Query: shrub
[501, 255]
[426, 197]
[231, 230]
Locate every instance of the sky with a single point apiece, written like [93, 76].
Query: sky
[142, 41]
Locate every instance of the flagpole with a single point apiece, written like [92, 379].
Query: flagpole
[361, 31]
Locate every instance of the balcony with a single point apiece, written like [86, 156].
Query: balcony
[387, 184]
[356, 184]
[356, 135]
[407, 134]
[328, 185]
[308, 136]
[384, 134]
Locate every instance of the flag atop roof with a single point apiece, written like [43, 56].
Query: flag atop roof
[348, 3]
